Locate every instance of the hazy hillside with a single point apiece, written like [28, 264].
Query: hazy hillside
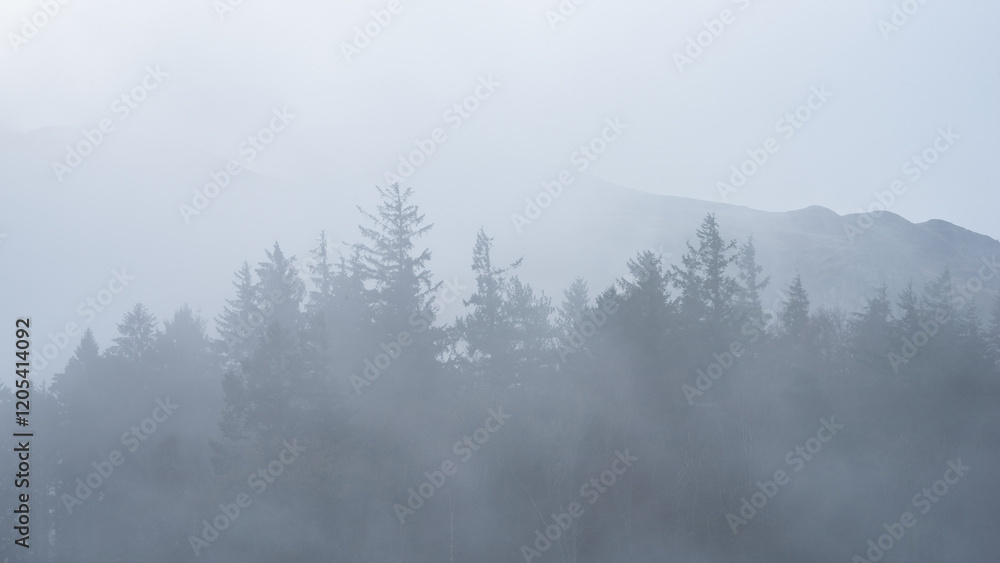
[594, 223]
[141, 179]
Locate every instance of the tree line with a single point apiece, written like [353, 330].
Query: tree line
[679, 364]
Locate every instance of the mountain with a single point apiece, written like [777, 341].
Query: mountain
[120, 209]
[594, 227]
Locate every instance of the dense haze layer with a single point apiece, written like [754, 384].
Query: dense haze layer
[698, 232]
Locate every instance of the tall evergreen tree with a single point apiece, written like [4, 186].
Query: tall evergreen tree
[575, 304]
[972, 356]
[402, 296]
[794, 313]
[993, 332]
[485, 330]
[531, 331]
[750, 284]
[873, 334]
[322, 275]
[281, 290]
[910, 313]
[403, 283]
[708, 291]
[645, 314]
[939, 298]
[86, 354]
[137, 334]
[506, 332]
[238, 337]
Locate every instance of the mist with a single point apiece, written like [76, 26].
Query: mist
[555, 280]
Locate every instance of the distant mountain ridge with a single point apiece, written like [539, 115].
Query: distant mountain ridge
[602, 220]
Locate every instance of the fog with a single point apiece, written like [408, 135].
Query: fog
[555, 280]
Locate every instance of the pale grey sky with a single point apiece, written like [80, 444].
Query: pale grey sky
[220, 78]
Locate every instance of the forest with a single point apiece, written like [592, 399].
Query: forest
[360, 409]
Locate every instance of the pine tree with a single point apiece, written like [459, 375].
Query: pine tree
[87, 352]
[184, 335]
[233, 325]
[485, 330]
[280, 290]
[872, 330]
[794, 314]
[645, 315]
[973, 352]
[942, 319]
[402, 294]
[403, 283]
[938, 298]
[749, 306]
[273, 393]
[910, 313]
[531, 332]
[321, 273]
[993, 333]
[506, 332]
[138, 333]
[708, 291]
[575, 304]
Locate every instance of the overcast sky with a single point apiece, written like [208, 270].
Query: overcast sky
[547, 83]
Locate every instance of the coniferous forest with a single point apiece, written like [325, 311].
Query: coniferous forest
[359, 408]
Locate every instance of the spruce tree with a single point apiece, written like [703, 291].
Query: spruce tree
[993, 333]
[137, 334]
[321, 274]
[402, 294]
[484, 330]
[575, 304]
[506, 332]
[403, 283]
[872, 330]
[910, 313]
[749, 307]
[645, 315]
[707, 290]
[281, 290]
[794, 313]
[237, 335]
